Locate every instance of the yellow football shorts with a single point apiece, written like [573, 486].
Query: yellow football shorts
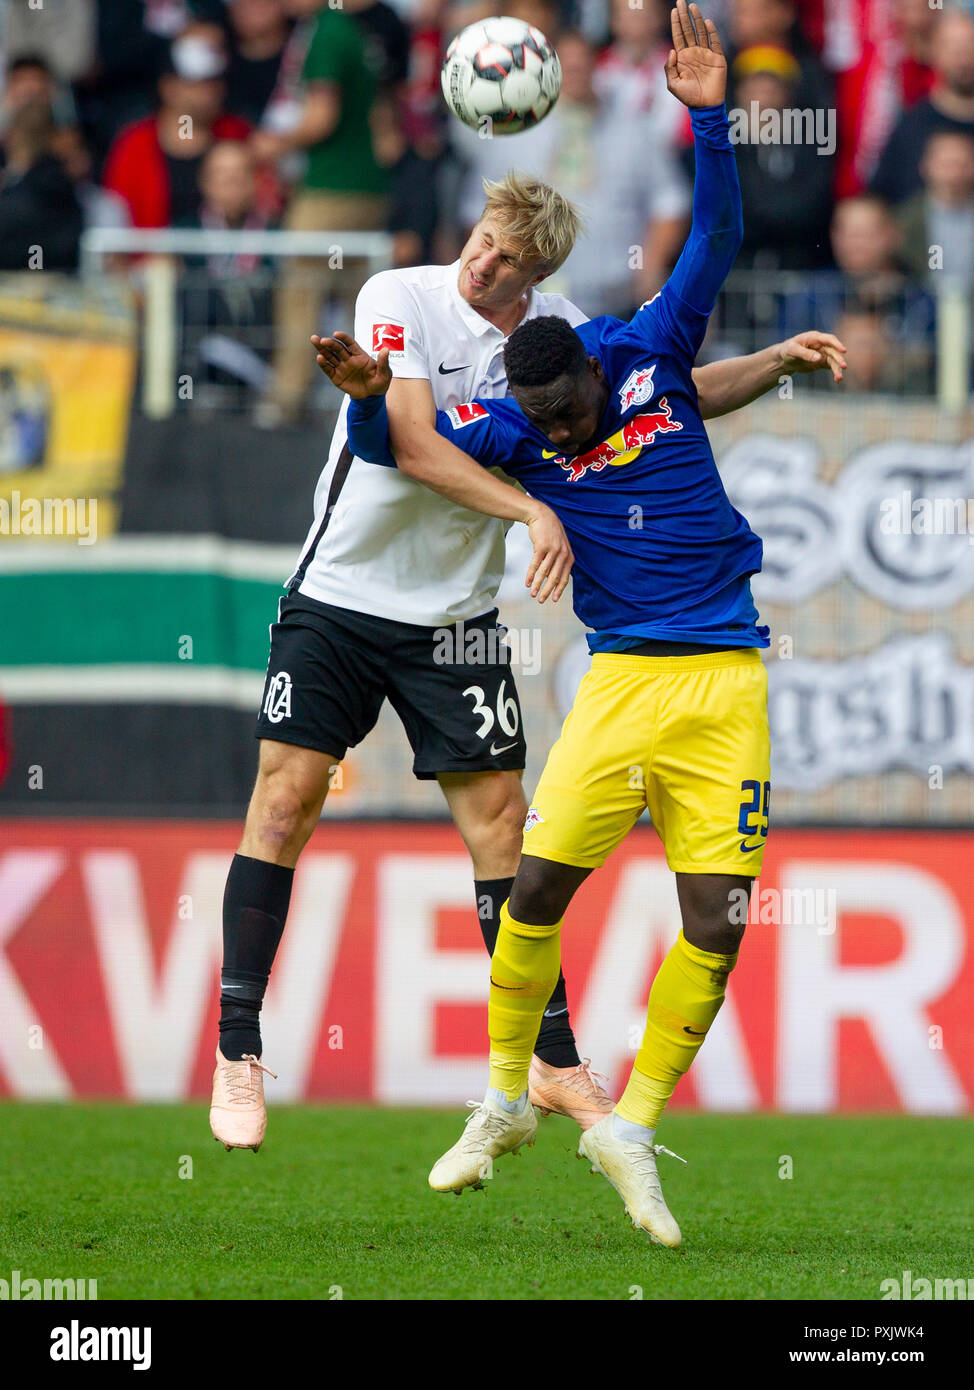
[685, 736]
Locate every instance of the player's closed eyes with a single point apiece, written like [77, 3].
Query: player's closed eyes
[489, 246]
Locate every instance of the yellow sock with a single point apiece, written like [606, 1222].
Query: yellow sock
[684, 1001]
[523, 972]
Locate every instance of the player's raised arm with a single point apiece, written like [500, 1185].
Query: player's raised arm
[696, 73]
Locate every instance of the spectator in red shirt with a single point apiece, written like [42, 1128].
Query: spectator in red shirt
[880, 52]
[154, 164]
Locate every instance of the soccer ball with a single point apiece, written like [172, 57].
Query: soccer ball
[501, 70]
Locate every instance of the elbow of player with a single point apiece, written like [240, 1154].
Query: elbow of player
[725, 243]
[412, 464]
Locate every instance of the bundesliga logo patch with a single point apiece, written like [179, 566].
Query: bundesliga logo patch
[533, 818]
[462, 415]
[389, 335]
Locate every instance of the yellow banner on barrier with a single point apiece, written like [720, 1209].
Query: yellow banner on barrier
[67, 370]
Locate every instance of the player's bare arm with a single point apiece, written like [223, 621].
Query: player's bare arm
[736, 381]
[423, 454]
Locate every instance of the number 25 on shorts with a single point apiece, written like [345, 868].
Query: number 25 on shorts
[756, 804]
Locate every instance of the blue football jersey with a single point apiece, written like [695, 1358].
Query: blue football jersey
[659, 550]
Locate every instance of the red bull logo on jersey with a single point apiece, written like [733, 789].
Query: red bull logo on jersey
[625, 445]
[637, 388]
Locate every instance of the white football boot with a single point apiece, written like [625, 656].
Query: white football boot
[489, 1132]
[630, 1167]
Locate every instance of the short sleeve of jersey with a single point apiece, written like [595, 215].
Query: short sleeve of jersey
[491, 431]
[667, 323]
[387, 316]
[327, 56]
[564, 308]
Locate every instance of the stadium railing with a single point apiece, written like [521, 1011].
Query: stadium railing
[918, 334]
[207, 322]
[216, 328]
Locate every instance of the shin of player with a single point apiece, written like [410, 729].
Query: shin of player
[685, 997]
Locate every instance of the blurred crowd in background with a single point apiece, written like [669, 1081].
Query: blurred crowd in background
[309, 116]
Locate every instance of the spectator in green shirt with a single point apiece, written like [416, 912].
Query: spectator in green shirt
[342, 188]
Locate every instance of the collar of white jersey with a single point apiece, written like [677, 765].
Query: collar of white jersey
[474, 321]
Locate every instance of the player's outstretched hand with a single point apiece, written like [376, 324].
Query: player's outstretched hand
[350, 368]
[551, 563]
[813, 352]
[696, 70]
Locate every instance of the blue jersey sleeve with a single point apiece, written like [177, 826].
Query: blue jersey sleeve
[491, 431]
[367, 424]
[680, 311]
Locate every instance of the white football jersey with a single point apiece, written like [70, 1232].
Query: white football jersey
[383, 543]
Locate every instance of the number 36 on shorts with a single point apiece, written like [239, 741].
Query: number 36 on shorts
[506, 715]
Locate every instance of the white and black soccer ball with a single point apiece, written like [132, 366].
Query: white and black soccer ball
[504, 70]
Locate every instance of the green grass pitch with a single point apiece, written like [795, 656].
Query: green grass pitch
[336, 1204]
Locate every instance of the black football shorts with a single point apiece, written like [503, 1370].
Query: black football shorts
[331, 668]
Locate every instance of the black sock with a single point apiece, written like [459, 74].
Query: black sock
[556, 1041]
[255, 907]
[492, 894]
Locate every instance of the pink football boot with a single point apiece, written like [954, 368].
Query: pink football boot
[238, 1117]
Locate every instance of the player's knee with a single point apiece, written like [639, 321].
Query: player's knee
[537, 897]
[281, 817]
[711, 912]
[509, 823]
[496, 832]
[720, 937]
